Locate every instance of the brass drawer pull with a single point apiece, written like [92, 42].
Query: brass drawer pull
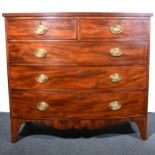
[115, 105]
[40, 53]
[41, 78]
[116, 29]
[116, 52]
[115, 77]
[42, 106]
[40, 29]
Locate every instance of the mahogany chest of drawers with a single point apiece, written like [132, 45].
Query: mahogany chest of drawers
[78, 70]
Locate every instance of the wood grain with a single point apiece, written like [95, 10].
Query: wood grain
[78, 53]
[68, 105]
[22, 77]
[100, 29]
[57, 29]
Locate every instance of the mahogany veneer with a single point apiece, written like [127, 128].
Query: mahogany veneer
[77, 105]
[24, 77]
[58, 29]
[77, 70]
[84, 53]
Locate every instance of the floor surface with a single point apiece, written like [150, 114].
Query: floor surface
[37, 139]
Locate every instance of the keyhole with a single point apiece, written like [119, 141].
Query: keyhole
[78, 45]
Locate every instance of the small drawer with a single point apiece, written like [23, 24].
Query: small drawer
[108, 78]
[113, 29]
[78, 53]
[41, 29]
[75, 105]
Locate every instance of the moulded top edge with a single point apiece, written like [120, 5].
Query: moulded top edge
[78, 14]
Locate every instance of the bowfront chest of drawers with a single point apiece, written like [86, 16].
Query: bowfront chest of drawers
[78, 70]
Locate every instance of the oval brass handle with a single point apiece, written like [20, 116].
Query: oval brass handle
[116, 52]
[116, 29]
[115, 105]
[42, 106]
[41, 78]
[115, 77]
[40, 29]
[40, 53]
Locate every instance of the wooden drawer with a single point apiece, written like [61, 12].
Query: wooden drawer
[125, 77]
[78, 53]
[49, 29]
[113, 28]
[73, 105]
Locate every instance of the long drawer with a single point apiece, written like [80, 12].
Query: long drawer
[113, 28]
[47, 77]
[78, 53]
[42, 28]
[29, 104]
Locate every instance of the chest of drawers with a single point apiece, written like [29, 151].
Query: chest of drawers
[78, 70]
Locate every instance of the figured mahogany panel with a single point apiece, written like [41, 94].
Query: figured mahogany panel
[100, 28]
[77, 105]
[56, 29]
[78, 53]
[78, 77]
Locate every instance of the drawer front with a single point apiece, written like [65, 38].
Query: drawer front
[79, 53]
[41, 29]
[37, 77]
[113, 29]
[36, 105]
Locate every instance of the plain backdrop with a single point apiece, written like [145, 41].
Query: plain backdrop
[10, 6]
